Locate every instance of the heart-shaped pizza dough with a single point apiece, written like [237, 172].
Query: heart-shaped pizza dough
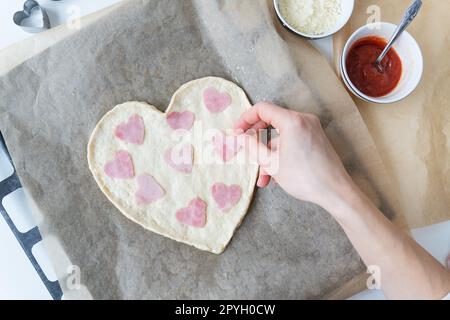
[165, 171]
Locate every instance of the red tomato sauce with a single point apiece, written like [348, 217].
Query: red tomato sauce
[365, 75]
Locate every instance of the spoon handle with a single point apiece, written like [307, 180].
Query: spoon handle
[409, 16]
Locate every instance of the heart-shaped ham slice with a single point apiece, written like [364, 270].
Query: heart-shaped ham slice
[180, 120]
[149, 189]
[132, 131]
[180, 158]
[216, 101]
[227, 146]
[193, 215]
[225, 196]
[121, 167]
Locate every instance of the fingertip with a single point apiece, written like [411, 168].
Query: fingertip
[260, 125]
[270, 113]
[263, 181]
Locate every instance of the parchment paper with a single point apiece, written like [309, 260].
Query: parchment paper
[145, 50]
[413, 135]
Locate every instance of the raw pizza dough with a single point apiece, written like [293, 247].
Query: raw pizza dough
[199, 205]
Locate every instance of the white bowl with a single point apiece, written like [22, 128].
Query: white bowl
[408, 51]
[347, 10]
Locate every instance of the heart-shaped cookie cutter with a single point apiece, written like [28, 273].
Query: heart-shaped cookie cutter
[28, 7]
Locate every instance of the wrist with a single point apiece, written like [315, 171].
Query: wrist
[343, 204]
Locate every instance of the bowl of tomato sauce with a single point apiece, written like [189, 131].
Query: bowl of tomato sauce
[401, 70]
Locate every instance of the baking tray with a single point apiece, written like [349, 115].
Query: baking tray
[30, 238]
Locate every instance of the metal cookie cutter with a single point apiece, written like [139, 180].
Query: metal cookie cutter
[29, 8]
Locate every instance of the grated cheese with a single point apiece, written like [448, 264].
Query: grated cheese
[313, 17]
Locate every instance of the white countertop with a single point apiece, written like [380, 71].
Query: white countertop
[18, 278]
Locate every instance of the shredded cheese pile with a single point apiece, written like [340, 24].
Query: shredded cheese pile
[313, 17]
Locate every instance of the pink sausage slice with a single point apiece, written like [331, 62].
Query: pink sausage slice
[193, 215]
[180, 120]
[225, 196]
[132, 131]
[216, 101]
[149, 190]
[121, 167]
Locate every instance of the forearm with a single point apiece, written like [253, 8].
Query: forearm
[407, 270]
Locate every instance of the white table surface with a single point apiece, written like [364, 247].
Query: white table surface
[18, 279]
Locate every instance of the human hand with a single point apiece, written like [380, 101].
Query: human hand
[303, 162]
[301, 159]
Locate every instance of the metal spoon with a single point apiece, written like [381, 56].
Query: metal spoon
[409, 16]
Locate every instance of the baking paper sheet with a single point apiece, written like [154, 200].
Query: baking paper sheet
[145, 50]
[413, 135]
